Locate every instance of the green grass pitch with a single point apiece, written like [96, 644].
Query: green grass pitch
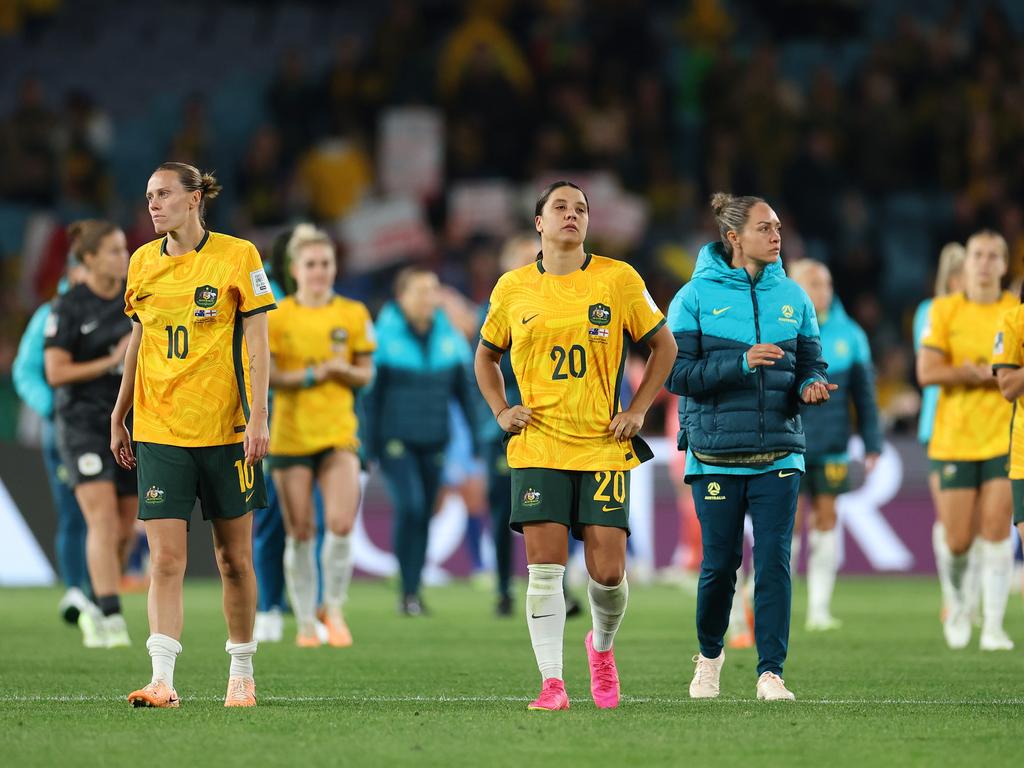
[452, 690]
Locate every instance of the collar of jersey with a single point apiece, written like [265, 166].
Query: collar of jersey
[197, 249]
[540, 262]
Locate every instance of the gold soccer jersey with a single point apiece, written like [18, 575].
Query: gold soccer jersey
[323, 416]
[1008, 352]
[192, 381]
[970, 422]
[567, 336]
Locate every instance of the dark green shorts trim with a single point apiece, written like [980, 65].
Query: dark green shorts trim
[830, 478]
[1017, 486]
[570, 497]
[969, 474]
[311, 460]
[172, 478]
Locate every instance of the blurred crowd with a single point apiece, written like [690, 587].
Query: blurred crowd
[853, 134]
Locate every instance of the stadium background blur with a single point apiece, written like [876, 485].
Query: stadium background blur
[421, 131]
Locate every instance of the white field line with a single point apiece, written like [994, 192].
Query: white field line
[70, 699]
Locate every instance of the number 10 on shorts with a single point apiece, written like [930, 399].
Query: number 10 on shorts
[246, 475]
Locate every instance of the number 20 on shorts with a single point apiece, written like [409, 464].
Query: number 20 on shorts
[617, 480]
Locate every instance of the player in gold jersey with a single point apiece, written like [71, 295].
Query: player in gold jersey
[321, 347]
[567, 319]
[1008, 364]
[970, 442]
[197, 358]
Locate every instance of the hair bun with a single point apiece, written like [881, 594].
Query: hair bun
[209, 185]
[720, 201]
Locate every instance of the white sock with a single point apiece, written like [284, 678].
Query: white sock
[336, 566]
[607, 607]
[943, 563]
[300, 577]
[821, 572]
[241, 658]
[794, 555]
[972, 584]
[738, 613]
[996, 572]
[163, 651]
[545, 616]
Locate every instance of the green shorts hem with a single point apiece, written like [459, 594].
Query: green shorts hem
[572, 498]
[310, 460]
[1017, 487]
[970, 474]
[830, 478]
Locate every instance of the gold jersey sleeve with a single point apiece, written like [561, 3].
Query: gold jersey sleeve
[568, 337]
[311, 419]
[1008, 352]
[191, 384]
[970, 422]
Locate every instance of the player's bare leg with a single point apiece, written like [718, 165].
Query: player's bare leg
[295, 491]
[340, 489]
[605, 552]
[232, 541]
[547, 551]
[102, 624]
[822, 563]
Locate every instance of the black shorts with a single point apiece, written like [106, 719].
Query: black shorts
[86, 456]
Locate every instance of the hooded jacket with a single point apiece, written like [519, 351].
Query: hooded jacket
[725, 408]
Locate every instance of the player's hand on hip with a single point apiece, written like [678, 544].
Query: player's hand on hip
[763, 354]
[514, 418]
[626, 424]
[257, 439]
[817, 392]
[121, 445]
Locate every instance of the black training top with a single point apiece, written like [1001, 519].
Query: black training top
[89, 327]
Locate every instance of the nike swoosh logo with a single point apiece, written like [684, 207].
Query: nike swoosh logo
[610, 509]
[786, 474]
[88, 328]
[545, 616]
[251, 494]
[142, 296]
[719, 310]
[528, 319]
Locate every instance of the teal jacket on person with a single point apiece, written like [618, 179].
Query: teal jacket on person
[29, 369]
[845, 347]
[416, 377]
[929, 394]
[725, 408]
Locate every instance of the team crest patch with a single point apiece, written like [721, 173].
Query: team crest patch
[948, 470]
[531, 497]
[714, 492]
[998, 348]
[339, 335]
[155, 495]
[89, 464]
[787, 314]
[600, 314]
[206, 296]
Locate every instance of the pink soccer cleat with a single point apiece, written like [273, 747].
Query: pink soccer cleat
[552, 696]
[604, 676]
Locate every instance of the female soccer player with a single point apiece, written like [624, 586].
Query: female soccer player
[948, 279]
[566, 319]
[970, 441]
[195, 377]
[422, 363]
[846, 350]
[321, 347]
[748, 352]
[86, 336]
[1008, 364]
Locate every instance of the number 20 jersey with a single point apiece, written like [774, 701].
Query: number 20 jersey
[567, 338]
[192, 381]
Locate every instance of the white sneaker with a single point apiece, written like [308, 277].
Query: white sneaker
[115, 628]
[72, 604]
[771, 687]
[823, 623]
[957, 629]
[269, 626]
[706, 676]
[995, 639]
[90, 621]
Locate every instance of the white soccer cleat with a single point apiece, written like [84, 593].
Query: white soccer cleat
[705, 683]
[269, 627]
[115, 629]
[90, 621]
[995, 639]
[957, 629]
[72, 604]
[823, 623]
[771, 687]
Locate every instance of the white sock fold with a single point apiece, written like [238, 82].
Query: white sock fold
[163, 651]
[336, 566]
[943, 563]
[822, 561]
[300, 577]
[972, 584]
[241, 658]
[545, 617]
[607, 607]
[996, 573]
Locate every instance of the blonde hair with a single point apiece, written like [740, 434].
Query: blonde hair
[731, 214]
[304, 235]
[951, 262]
[801, 267]
[995, 236]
